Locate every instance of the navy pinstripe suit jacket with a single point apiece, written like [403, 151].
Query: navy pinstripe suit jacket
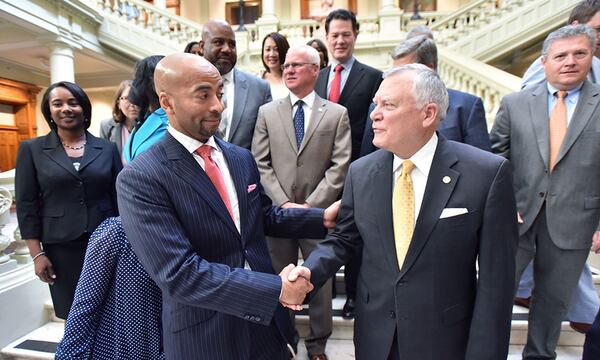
[185, 238]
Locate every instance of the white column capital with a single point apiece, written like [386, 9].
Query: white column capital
[268, 11]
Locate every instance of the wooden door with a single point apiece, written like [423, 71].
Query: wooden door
[17, 101]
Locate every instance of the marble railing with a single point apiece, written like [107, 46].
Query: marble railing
[428, 18]
[466, 74]
[466, 18]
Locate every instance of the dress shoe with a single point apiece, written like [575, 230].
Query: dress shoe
[318, 357]
[348, 309]
[524, 302]
[580, 327]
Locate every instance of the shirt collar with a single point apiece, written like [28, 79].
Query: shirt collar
[422, 158]
[228, 77]
[347, 65]
[552, 89]
[189, 143]
[308, 99]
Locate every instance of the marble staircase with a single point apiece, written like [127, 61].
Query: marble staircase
[41, 343]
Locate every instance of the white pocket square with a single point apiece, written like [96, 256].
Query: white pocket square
[450, 212]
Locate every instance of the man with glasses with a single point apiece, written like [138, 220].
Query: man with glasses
[302, 146]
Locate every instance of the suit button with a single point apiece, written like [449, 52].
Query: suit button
[299, 164]
[247, 317]
[392, 315]
[541, 194]
[258, 319]
[82, 202]
[80, 183]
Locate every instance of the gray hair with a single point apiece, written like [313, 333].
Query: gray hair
[420, 30]
[427, 86]
[311, 53]
[567, 32]
[423, 47]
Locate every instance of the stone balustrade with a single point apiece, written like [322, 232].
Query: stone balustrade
[428, 18]
[142, 15]
[465, 19]
[466, 74]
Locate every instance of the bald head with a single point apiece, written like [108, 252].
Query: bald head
[189, 90]
[218, 45]
[174, 69]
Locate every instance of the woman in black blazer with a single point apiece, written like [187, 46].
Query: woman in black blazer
[65, 187]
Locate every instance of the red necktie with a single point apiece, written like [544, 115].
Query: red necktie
[214, 173]
[336, 84]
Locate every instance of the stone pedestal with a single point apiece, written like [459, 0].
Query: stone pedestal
[266, 26]
[8, 265]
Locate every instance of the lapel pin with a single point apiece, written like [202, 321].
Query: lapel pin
[320, 109]
[446, 179]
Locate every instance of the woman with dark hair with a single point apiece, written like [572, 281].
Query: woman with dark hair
[65, 187]
[274, 48]
[322, 49]
[118, 128]
[152, 120]
[192, 48]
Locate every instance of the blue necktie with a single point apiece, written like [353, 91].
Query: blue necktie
[299, 123]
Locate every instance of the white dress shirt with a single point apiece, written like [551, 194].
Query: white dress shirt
[422, 160]
[309, 101]
[229, 92]
[192, 145]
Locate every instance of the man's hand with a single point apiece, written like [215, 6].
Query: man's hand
[289, 205]
[596, 242]
[293, 293]
[299, 272]
[330, 215]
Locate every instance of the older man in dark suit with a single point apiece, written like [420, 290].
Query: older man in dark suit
[425, 211]
[465, 118]
[551, 135]
[195, 214]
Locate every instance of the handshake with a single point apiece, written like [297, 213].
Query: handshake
[295, 284]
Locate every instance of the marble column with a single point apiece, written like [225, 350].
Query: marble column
[267, 23]
[389, 18]
[62, 67]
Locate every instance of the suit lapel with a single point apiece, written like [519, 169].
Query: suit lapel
[318, 112]
[54, 150]
[185, 167]
[354, 78]
[381, 180]
[538, 108]
[239, 103]
[321, 84]
[437, 193]
[235, 164]
[284, 110]
[588, 101]
[92, 151]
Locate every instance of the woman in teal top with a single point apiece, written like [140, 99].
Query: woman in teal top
[152, 123]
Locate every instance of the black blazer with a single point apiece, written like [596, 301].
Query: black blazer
[55, 203]
[359, 90]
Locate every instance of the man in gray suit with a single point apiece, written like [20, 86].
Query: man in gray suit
[556, 165]
[243, 93]
[302, 146]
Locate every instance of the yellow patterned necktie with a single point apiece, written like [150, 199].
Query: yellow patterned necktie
[403, 211]
[557, 126]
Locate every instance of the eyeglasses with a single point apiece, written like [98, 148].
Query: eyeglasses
[294, 66]
[126, 101]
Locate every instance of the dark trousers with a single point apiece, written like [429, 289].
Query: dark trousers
[67, 261]
[556, 273]
[591, 347]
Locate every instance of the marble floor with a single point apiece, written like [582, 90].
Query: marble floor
[344, 350]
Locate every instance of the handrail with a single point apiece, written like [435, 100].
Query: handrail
[478, 78]
[450, 19]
